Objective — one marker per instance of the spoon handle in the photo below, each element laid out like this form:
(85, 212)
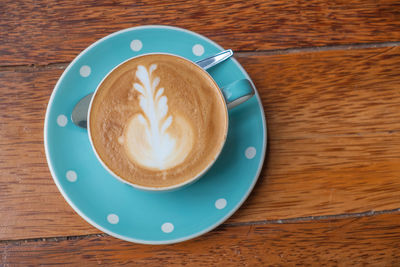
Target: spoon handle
(214, 60)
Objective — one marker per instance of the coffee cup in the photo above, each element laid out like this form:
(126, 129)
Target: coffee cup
(159, 121)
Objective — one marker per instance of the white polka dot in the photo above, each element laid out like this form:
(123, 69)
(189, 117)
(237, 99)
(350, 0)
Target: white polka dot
(62, 120)
(113, 218)
(167, 227)
(71, 176)
(198, 50)
(136, 45)
(220, 203)
(85, 71)
(250, 152)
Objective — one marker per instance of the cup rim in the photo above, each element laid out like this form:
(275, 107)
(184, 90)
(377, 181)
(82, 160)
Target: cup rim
(175, 186)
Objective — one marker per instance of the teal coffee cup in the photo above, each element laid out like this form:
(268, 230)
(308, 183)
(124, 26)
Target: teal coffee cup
(159, 121)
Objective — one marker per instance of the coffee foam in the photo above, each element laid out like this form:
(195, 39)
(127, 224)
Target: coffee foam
(148, 139)
(158, 120)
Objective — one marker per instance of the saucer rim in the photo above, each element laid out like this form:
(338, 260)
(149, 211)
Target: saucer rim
(130, 239)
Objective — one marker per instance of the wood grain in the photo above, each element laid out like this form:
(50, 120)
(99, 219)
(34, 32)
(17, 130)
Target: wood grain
(372, 241)
(334, 127)
(46, 31)
(333, 119)
(30, 204)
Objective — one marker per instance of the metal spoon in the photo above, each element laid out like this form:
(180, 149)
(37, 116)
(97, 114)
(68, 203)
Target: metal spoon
(80, 111)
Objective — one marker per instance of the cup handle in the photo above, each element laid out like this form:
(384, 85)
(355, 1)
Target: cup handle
(237, 92)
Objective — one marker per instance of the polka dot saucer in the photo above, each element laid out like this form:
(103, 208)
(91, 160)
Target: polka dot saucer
(119, 209)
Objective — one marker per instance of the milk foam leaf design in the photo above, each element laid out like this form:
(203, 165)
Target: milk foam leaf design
(155, 108)
(147, 139)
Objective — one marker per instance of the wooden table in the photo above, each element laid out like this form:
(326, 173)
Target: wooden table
(328, 73)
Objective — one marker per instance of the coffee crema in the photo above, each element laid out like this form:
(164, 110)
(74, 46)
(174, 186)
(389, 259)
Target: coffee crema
(158, 120)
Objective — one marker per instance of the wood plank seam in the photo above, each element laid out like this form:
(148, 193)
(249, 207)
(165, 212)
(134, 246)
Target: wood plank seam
(316, 218)
(237, 224)
(295, 50)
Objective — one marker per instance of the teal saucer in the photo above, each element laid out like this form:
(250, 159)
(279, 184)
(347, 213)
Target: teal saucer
(119, 209)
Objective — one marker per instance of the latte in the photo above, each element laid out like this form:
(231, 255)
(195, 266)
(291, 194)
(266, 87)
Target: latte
(158, 120)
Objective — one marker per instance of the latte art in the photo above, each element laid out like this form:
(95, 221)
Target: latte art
(147, 138)
(157, 121)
